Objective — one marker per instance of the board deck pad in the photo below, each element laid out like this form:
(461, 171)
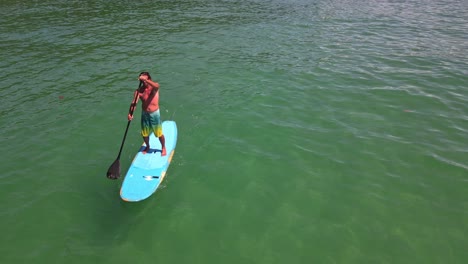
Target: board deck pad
(147, 171)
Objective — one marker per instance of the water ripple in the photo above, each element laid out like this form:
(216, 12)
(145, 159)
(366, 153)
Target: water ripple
(297, 112)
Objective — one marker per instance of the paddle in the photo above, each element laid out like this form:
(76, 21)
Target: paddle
(113, 172)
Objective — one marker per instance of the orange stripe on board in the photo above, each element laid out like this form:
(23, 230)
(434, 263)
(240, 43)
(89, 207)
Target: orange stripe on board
(163, 174)
(170, 157)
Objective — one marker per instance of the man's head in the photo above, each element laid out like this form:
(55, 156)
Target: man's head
(146, 74)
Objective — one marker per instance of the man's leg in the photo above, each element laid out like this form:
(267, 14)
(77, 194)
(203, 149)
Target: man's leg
(163, 144)
(146, 139)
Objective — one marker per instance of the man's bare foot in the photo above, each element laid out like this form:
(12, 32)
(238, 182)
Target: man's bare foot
(146, 150)
(163, 152)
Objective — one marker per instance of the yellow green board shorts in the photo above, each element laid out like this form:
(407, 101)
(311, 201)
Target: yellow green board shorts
(151, 122)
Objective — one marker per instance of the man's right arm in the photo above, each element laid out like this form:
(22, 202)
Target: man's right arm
(133, 105)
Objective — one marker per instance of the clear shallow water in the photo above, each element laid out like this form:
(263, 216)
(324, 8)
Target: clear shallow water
(309, 131)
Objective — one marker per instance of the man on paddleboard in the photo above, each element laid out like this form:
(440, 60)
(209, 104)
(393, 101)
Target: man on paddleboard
(148, 92)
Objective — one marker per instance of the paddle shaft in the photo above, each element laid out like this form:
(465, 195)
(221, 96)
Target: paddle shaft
(132, 108)
(123, 140)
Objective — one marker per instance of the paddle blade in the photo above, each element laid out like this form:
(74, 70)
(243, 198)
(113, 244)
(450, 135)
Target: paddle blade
(113, 172)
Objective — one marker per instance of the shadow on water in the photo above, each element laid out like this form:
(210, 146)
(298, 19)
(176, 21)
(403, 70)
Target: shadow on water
(98, 219)
(113, 226)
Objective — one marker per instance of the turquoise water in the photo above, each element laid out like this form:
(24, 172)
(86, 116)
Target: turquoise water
(309, 131)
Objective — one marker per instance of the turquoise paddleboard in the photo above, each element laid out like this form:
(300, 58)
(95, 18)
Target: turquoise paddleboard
(147, 171)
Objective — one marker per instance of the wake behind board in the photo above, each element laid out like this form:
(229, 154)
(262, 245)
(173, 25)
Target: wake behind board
(147, 171)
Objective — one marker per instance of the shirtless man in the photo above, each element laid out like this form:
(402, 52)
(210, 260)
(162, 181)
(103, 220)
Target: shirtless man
(148, 92)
